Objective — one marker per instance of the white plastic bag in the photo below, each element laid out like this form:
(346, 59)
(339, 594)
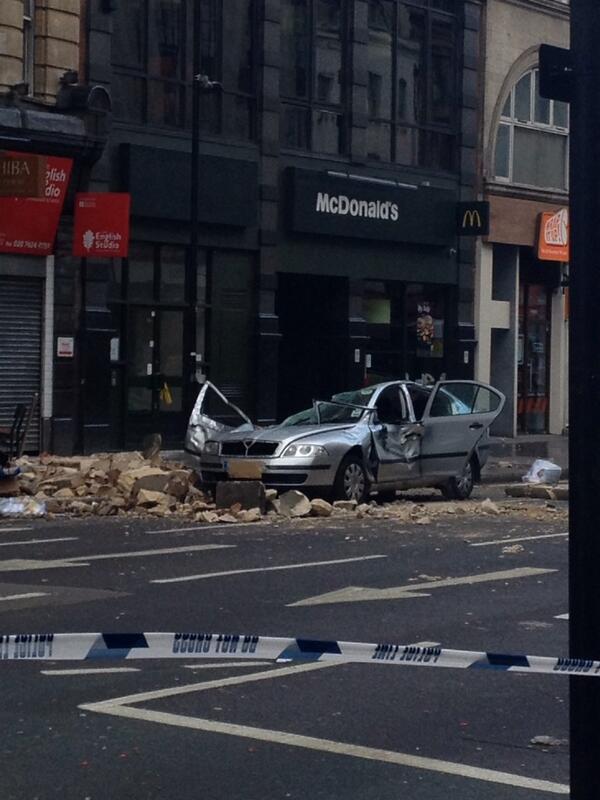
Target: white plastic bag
(15, 507)
(542, 472)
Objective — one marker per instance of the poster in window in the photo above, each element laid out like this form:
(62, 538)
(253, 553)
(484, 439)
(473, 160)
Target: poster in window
(429, 331)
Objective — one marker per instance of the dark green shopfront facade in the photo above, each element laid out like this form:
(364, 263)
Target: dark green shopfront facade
(330, 167)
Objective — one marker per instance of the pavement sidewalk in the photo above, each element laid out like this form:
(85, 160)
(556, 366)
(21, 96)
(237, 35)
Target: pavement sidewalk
(510, 458)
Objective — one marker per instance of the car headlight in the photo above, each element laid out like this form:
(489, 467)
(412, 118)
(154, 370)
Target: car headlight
(212, 448)
(304, 450)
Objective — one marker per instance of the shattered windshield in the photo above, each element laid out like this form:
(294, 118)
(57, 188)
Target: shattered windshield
(331, 412)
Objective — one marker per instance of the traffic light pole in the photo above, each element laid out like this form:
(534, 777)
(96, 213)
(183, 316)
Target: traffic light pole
(584, 395)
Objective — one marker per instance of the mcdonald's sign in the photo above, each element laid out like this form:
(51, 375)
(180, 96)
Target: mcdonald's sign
(473, 219)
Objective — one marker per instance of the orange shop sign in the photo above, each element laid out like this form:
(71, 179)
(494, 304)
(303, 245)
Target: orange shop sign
(553, 237)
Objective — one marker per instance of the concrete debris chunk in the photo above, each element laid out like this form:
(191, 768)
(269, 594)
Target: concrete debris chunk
(250, 515)
(513, 548)
(345, 505)
(207, 516)
(150, 478)
(249, 494)
(146, 497)
(294, 504)
(320, 508)
(64, 494)
(227, 518)
(548, 741)
(489, 507)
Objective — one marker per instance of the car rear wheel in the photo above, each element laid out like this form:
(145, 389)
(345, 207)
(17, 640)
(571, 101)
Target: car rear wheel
(351, 482)
(461, 486)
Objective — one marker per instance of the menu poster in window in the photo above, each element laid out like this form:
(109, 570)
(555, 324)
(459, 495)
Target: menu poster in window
(429, 331)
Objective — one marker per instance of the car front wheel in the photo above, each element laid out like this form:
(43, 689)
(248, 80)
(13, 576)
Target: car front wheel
(461, 486)
(351, 482)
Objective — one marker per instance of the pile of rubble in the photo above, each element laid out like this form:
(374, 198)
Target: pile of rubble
(109, 484)
(129, 484)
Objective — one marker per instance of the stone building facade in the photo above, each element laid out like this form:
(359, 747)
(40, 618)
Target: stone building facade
(521, 301)
(44, 112)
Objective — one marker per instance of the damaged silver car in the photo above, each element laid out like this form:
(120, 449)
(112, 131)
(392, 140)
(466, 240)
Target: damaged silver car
(394, 435)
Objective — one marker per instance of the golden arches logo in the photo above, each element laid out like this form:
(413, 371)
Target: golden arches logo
(471, 219)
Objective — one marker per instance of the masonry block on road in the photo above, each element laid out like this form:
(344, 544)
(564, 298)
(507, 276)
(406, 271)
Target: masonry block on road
(538, 491)
(249, 494)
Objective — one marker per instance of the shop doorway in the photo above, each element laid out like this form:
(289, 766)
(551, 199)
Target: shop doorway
(313, 354)
(533, 369)
(155, 349)
(407, 327)
(179, 326)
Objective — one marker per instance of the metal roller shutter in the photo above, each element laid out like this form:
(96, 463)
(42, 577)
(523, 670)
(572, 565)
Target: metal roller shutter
(20, 350)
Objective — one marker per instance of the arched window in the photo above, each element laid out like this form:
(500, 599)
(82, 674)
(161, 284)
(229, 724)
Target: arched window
(532, 138)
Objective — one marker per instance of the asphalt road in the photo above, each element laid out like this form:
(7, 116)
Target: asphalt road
(231, 731)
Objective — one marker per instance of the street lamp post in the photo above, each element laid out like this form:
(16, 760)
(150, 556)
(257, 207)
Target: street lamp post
(201, 84)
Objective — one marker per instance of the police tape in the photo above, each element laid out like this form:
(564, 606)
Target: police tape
(94, 646)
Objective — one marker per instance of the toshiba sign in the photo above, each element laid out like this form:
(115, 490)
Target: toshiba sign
(553, 238)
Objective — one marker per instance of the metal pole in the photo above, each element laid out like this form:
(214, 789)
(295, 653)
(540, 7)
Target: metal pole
(194, 164)
(584, 402)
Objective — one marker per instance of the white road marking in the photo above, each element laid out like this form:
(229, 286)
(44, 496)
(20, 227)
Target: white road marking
(92, 671)
(228, 665)
(122, 707)
(26, 596)
(519, 539)
(264, 569)
(19, 565)
(163, 551)
(39, 541)
(356, 594)
(14, 530)
(175, 691)
(562, 616)
(221, 526)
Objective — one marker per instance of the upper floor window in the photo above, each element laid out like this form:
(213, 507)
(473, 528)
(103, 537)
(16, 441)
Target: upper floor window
(313, 37)
(28, 43)
(532, 138)
(412, 82)
(152, 55)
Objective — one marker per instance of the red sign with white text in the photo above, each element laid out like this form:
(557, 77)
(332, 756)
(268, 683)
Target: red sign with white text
(28, 225)
(101, 225)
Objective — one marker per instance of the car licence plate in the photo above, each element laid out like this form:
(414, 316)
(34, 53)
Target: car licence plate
(244, 469)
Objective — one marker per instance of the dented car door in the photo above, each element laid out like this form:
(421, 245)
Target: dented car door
(396, 436)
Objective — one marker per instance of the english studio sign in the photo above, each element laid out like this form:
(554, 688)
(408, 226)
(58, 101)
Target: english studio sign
(337, 206)
(101, 228)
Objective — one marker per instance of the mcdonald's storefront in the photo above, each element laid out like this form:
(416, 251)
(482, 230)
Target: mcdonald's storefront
(367, 284)
(521, 313)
